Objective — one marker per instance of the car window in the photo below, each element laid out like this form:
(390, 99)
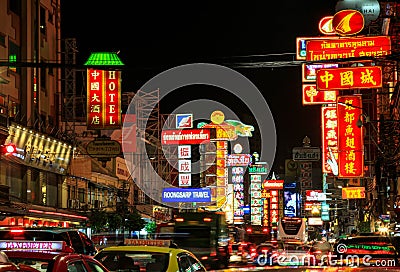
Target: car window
(195, 264)
(76, 266)
(94, 267)
(76, 242)
(184, 263)
(145, 260)
(88, 244)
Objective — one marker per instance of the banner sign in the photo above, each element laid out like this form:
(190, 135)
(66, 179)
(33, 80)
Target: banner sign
(342, 48)
(35, 150)
(306, 153)
(273, 184)
(186, 195)
(315, 195)
(365, 77)
(238, 159)
(311, 96)
(186, 136)
(329, 139)
(103, 99)
(353, 192)
(351, 155)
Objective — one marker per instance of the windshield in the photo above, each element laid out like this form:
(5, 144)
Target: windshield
(134, 260)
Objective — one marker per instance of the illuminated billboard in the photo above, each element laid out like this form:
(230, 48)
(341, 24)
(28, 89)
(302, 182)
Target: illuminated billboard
(348, 22)
(353, 192)
(103, 99)
(329, 139)
(365, 77)
(350, 144)
(311, 96)
(343, 48)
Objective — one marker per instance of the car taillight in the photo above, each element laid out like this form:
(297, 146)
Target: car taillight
(15, 231)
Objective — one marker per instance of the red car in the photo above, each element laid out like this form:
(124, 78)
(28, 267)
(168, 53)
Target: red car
(49, 256)
(9, 267)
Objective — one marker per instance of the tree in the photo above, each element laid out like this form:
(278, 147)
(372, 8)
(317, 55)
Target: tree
(114, 221)
(98, 220)
(134, 221)
(151, 227)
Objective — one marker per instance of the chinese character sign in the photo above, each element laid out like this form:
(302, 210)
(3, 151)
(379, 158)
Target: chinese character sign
(311, 96)
(103, 99)
(350, 144)
(365, 77)
(329, 125)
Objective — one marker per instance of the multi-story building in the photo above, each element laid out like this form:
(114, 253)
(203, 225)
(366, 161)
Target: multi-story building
(36, 183)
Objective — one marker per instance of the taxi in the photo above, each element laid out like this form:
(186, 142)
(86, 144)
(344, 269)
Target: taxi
(148, 255)
(49, 256)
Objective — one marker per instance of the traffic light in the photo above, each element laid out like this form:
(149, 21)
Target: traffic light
(8, 149)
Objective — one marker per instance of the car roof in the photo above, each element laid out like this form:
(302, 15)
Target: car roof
(34, 254)
(144, 248)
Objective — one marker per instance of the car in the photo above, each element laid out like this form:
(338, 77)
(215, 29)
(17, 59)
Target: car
(294, 253)
(78, 240)
(235, 253)
(266, 253)
(9, 267)
(49, 256)
(148, 255)
(320, 252)
(372, 250)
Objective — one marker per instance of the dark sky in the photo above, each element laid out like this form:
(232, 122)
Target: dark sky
(152, 37)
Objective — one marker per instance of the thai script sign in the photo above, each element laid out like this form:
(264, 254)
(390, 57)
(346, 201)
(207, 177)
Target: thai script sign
(327, 49)
(187, 136)
(306, 153)
(238, 159)
(353, 192)
(103, 99)
(365, 77)
(261, 168)
(351, 155)
(273, 184)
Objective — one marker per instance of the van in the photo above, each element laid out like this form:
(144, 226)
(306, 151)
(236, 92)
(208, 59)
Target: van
(78, 240)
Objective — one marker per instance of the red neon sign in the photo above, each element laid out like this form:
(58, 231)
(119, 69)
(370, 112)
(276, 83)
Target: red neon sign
(325, 26)
(329, 138)
(103, 99)
(343, 48)
(351, 155)
(311, 96)
(365, 77)
(348, 22)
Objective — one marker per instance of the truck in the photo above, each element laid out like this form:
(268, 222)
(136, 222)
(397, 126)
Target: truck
(205, 234)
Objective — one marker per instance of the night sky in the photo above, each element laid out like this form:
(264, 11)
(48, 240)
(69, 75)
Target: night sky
(152, 37)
